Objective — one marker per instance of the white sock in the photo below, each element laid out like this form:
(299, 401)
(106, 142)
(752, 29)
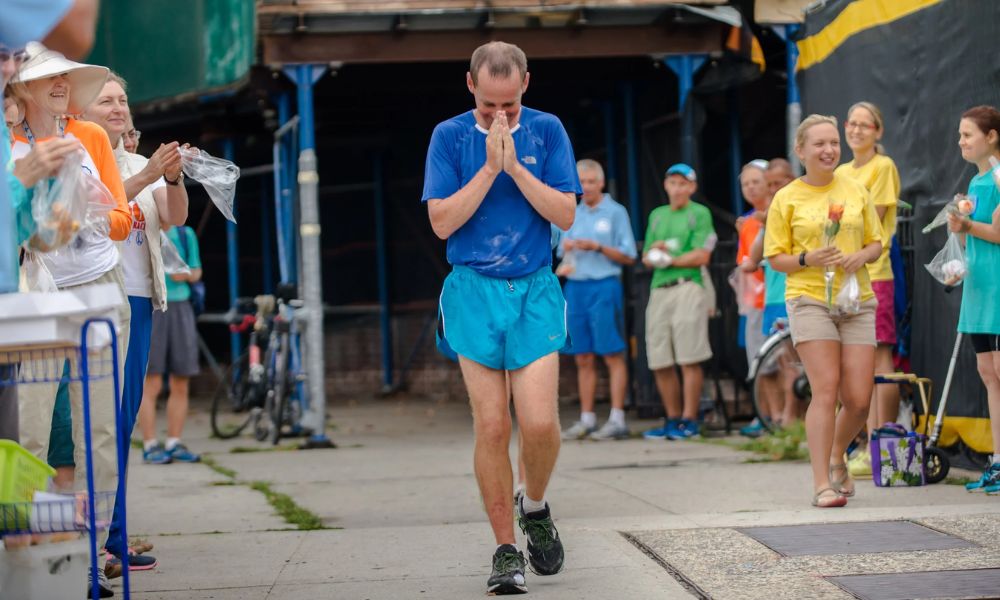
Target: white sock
(147, 444)
(172, 443)
(531, 506)
(515, 546)
(617, 416)
(589, 419)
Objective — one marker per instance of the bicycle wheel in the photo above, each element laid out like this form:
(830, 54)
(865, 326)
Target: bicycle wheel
(778, 370)
(232, 402)
(281, 390)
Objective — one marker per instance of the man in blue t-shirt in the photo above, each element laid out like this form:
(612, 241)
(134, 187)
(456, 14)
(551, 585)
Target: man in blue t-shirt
(496, 178)
(593, 252)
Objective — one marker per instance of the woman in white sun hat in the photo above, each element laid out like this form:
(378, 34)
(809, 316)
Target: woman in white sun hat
(54, 90)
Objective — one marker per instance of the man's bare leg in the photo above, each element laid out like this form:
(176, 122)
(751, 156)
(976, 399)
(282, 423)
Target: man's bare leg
(694, 379)
(535, 388)
(492, 425)
(670, 391)
(618, 375)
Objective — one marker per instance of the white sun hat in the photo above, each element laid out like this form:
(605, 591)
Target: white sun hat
(86, 81)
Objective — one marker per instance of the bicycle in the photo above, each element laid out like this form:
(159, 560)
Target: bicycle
(777, 355)
(264, 386)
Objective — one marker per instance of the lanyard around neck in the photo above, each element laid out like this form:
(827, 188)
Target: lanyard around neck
(60, 125)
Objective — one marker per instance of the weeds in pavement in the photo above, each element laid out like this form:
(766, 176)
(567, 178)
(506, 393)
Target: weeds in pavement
(958, 480)
(290, 511)
(785, 444)
(211, 464)
(249, 449)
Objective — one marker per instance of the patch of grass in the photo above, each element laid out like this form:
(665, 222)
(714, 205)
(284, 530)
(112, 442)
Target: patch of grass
(223, 483)
(137, 444)
(959, 480)
(211, 464)
(785, 444)
(249, 449)
(716, 441)
(293, 514)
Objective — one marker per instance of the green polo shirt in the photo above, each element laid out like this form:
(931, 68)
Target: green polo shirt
(684, 230)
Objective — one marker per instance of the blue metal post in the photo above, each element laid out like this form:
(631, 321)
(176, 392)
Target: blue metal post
(266, 238)
(735, 154)
(383, 275)
(632, 159)
(289, 171)
(233, 257)
(314, 417)
(685, 66)
(611, 150)
(793, 111)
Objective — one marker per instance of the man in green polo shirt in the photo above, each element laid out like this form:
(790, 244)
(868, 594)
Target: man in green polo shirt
(679, 242)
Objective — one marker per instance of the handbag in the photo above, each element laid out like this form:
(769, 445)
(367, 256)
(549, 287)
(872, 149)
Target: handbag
(897, 456)
(197, 288)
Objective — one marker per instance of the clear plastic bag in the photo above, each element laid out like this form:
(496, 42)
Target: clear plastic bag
(35, 276)
(100, 202)
(173, 264)
(217, 175)
(848, 299)
(949, 265)
(59, 205)
(568, 264)
(747, 289)
(960, 205)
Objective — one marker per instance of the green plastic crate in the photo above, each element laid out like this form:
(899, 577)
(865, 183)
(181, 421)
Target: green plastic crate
(21, 475)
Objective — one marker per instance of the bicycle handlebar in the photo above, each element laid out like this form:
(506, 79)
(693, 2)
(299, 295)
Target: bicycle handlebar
(245, 324)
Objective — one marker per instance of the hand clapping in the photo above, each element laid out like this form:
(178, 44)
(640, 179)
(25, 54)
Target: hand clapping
(501, 154)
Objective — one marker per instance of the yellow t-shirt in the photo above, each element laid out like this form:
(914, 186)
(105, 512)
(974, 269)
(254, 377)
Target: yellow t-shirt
(881, 179)
(795, 224)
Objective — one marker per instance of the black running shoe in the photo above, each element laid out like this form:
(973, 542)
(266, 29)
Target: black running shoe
(545, 551)
(508, 572)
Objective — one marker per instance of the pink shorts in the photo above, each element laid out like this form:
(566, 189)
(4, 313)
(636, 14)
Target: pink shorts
(885, 314)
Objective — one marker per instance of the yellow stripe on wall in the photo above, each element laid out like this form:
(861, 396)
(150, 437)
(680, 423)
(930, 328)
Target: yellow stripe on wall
(857, 17)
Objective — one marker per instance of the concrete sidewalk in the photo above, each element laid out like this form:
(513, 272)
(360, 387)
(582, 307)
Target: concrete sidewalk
(639, 519)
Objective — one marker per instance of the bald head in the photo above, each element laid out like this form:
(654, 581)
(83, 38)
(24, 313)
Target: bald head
(500, 60)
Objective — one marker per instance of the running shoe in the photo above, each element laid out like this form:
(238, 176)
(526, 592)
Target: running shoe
(610, 431)
(508, 572)
(136, 562)
(180, 453)
(545, 550)
(156, 455)
(754, 430)
(578, 431)
(861, 464)
(683, 430)
(660, 433)
(990, 478)
(104, 589)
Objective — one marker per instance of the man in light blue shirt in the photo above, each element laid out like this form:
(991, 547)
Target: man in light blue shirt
(593, 252)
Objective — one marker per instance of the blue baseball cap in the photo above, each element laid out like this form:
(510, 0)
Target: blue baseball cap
(683, 170)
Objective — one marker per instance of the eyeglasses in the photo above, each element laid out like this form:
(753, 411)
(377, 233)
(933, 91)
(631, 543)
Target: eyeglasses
(133, 134)
(18, 56)
(857, 125)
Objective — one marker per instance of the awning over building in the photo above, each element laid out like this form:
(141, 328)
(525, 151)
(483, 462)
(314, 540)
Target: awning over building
(169, 52)
(364, 31)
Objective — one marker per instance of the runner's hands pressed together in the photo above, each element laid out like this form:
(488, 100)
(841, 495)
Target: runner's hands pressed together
(509, 150)
(494, 147)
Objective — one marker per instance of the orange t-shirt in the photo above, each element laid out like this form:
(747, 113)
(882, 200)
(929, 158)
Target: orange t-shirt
(748, 233)
(95, 141)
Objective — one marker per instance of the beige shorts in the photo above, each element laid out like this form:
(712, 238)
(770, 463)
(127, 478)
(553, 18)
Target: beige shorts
(677, 326)
(811, 320)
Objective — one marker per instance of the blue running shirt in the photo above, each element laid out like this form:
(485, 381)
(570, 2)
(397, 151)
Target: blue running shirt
(505, 237)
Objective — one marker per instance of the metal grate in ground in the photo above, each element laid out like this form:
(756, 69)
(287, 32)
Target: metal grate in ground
(853, 538)
(957, 585)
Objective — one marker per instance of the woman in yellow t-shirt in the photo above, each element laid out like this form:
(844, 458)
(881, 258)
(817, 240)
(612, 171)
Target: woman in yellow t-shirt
(876, 171)
(837, 348)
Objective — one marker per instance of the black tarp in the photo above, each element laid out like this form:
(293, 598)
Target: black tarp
(923, 70)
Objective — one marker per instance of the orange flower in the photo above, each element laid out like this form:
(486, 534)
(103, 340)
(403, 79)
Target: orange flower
(836, 212)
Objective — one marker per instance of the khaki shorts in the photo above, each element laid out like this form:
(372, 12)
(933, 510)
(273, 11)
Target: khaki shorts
(677, 326)
(811, 320)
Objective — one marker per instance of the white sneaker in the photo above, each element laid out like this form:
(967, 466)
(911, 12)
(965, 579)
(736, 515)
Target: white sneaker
(611, 431)
(578, 431)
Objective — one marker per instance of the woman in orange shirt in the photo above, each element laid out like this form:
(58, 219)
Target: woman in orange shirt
(54, 89)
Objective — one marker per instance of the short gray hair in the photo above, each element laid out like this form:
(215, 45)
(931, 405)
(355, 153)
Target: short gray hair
(588, 164)
(500, 58)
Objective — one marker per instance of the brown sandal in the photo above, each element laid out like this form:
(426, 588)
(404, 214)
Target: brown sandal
(840, 482)
(837, 501)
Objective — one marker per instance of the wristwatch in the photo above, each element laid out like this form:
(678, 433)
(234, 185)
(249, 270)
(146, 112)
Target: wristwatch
(802, 260)
(180, 178)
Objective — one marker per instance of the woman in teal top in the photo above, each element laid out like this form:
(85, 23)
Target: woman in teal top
(979, 139)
